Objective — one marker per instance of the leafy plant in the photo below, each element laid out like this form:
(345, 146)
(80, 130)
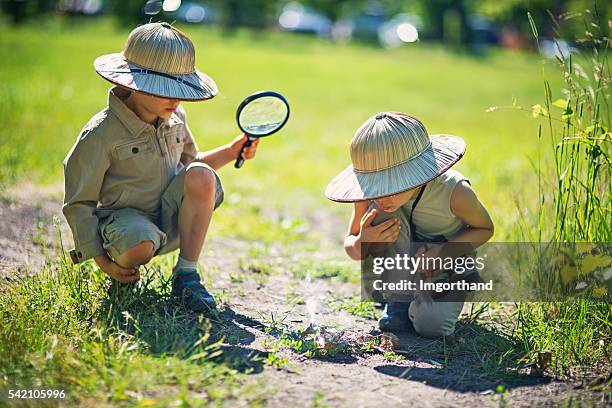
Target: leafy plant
(574, 199)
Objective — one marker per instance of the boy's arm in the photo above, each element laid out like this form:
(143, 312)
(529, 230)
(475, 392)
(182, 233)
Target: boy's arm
(478, 229)
(84, 170)
(215, 158)
(466, 206)
(219, 157)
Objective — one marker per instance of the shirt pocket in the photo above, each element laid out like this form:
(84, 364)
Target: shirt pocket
(136, 150)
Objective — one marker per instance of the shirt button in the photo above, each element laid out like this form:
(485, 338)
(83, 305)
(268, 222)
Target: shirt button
(80, 255)
(134, 150)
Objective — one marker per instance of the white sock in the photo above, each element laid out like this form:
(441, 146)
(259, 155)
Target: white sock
(186, 265)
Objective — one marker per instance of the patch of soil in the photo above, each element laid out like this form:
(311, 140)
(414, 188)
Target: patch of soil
(26, 231)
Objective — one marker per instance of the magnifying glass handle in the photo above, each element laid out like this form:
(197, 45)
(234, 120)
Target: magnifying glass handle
(240, 159)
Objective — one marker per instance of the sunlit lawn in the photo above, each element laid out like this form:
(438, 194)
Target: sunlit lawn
(49, 90)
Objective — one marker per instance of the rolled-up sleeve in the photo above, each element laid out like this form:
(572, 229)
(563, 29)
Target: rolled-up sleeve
(84, 170)
(190, 148)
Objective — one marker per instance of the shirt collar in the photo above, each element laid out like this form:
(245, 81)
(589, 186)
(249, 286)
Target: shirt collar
(128, 118)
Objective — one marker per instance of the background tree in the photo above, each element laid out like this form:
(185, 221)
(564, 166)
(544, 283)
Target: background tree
(248, 13)
(21, 10)
(129, 12)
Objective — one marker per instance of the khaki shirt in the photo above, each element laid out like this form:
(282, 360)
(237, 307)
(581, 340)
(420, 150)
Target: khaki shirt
(120, 161)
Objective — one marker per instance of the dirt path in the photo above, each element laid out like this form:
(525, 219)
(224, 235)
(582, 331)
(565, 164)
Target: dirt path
(358, 379)
(263, 306)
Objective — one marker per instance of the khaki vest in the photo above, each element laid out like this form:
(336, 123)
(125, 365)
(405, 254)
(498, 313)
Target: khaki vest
(432, 215)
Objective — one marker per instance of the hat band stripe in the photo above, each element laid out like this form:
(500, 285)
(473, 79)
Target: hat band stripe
(150, 71)
(396, 164)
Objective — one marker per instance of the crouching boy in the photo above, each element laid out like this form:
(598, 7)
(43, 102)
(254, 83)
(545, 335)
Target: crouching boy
(135, 184)
(405, 194)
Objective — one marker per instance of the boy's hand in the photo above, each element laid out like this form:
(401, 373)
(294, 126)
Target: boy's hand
(116, 271)
(427, 251)
(247, 153)
(386, 231)
(121, 274)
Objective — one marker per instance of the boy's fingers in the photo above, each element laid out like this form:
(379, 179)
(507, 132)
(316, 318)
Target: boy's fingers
(249, 152)
(125, 276)
(369, 217)
(129, 277)
(389, 235)
(385, 225)
(128, 272)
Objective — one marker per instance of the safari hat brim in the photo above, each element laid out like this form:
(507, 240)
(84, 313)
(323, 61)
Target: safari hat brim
(195, 86)
(352, 186)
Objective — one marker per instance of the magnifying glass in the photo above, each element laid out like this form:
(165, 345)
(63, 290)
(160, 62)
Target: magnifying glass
(260, 115)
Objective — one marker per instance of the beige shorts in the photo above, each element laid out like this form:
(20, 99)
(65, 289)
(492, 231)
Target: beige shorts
(434, 319)
(124, 228)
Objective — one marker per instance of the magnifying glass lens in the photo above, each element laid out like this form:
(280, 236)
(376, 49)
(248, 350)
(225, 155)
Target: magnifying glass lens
(259, 115)
(263, 116)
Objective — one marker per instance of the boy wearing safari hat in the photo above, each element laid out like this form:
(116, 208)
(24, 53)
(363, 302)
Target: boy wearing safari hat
(404, 191)
(135, 184)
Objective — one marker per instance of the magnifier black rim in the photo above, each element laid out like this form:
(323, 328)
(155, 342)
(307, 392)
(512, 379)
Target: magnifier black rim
(258, 95)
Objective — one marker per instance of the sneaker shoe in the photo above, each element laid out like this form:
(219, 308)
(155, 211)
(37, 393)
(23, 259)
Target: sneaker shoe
(187, 287)
(395, 318)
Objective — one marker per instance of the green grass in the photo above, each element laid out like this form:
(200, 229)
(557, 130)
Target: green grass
(338, 270)
(355, 306)
(49, 91)
(67, 328)
(576, 202)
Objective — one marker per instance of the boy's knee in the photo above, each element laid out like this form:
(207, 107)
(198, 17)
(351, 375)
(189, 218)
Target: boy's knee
(435, 319)
(199, 179)
(139, 254)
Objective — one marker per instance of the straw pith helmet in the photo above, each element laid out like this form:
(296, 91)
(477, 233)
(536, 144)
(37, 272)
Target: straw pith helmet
(391, 153)
(159, 60)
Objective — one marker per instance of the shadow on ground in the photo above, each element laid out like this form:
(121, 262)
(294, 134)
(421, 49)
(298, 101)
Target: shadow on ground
(460, 379)
(475, 359)
(167, 328)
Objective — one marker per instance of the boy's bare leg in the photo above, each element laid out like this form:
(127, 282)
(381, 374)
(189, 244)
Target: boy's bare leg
(139, 254)
(195, 214)
(124, 268)
(196, 211)
(194, 218)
